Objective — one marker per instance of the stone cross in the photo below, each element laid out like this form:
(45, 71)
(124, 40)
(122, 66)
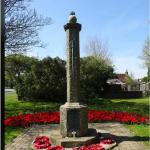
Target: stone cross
(73, 114)
(73, 58)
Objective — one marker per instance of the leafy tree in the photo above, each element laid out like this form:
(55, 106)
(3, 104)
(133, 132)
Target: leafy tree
(145, 79)
(16, 65)
(9, 80)
(129, 79)
(46, 81)
(94, 74)
(148, 74)
(21, 26)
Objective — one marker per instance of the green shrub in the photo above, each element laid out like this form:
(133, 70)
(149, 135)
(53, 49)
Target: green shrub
(94, 73)
(46, 81)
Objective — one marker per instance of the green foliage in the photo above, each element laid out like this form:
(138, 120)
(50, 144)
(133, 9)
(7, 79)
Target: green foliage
(138, 106)
(11, 133)
(15, 107)
(46, 80)
(129, 80)
(148, 75)
(142, 131)
(145, 79)
(94, 73)
(17, 66)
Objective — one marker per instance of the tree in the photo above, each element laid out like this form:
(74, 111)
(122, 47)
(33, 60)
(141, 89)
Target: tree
(146, 56)
(145, 79)
(146, 53)
(97, 48)
(16, 66)
(46, 81)
(129, 79)
(21, 26)
(93, 76)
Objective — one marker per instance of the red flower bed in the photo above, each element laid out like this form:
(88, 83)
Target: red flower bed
(123, 117)
(93, 116)
(25, 119)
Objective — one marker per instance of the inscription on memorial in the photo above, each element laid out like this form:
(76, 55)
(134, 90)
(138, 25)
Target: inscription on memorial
(74, 120)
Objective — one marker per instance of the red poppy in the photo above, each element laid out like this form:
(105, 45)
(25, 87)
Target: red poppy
(93, 115)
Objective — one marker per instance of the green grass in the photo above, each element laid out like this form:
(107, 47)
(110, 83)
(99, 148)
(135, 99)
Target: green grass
(11, 133)
(139, 106)
(14, 107)
(141, 131)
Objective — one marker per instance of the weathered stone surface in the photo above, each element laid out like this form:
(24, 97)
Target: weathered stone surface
(69, 142)
(73, 115)
(73, 61)
(73, 118)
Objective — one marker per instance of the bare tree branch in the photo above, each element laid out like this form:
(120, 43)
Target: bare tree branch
(146, 53)
(97, 48)
(22, 26)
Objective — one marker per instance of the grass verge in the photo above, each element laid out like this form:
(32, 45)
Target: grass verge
(141, 131)
(11, 133)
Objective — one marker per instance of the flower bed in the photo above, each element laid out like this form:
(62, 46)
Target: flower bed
(23, 120)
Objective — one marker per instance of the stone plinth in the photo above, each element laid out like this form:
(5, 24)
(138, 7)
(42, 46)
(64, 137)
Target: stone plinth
(73, 118)
(69, 142)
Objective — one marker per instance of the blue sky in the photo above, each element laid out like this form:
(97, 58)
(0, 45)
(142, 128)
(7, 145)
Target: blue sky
(122, 23)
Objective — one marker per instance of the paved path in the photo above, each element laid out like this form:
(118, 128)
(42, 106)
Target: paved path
(124, 139)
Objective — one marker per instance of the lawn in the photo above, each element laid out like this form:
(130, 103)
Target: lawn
(139, 106)
(14, 107)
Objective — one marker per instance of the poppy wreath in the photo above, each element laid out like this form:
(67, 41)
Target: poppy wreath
(42, 142)
(90, 147)
(54, 147)
(105, 142)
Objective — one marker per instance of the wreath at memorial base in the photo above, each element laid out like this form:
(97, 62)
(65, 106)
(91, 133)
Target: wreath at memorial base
(104, 144)
(42, 142)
